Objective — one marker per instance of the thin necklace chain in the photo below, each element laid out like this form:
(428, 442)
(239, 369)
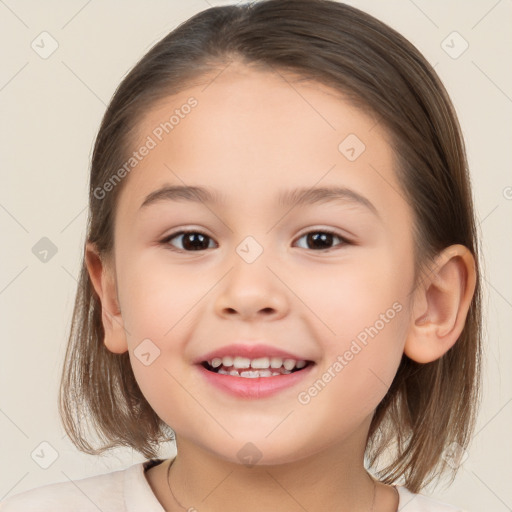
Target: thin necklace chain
(188, 508)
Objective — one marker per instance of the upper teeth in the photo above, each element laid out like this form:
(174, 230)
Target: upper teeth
(258, 363)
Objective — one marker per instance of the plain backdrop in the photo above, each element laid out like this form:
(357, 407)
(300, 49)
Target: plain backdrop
(51, 107)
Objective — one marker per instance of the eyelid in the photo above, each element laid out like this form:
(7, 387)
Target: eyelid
(330, 231)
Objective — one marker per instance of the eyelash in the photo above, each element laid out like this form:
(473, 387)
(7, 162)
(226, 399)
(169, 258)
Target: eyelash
(170, 237)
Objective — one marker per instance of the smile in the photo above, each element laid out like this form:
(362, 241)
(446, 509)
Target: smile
(254, 378)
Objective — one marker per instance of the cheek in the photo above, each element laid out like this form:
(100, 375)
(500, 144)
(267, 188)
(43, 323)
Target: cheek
(366, 309)
(157, 299)
(357, 370)
(159, 308)
(355, 296)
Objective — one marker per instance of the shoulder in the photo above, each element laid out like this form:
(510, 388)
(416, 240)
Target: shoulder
(410, 502)
(87, 494)
(110, 492)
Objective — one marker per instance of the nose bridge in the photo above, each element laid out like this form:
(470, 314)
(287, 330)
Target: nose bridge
(251, 288)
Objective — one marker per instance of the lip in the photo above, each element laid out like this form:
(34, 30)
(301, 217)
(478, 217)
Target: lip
(252, 351)
(254, 388)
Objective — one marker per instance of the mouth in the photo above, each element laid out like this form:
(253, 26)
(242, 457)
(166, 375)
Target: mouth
(257, 377)
(261, 367)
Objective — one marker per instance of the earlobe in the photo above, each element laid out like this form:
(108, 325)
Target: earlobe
(440, 305)
(104, 283)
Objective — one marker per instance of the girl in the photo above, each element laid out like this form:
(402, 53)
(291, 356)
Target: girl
(280, 273)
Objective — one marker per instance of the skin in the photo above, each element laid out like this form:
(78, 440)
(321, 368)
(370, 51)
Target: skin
(251, 135)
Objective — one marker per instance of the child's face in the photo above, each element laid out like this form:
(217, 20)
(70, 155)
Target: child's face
(251, 137)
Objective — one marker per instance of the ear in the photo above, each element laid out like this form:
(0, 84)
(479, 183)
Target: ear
(441, 303)
(103, 280)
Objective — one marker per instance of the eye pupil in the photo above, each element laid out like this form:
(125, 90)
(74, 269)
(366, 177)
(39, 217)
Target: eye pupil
(195, 241)
(325, 239)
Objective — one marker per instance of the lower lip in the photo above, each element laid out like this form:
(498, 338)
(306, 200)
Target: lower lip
(259, 387)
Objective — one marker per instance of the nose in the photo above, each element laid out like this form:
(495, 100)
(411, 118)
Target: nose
(252, 291)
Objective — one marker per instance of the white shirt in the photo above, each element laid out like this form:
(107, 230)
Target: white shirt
(128, 490)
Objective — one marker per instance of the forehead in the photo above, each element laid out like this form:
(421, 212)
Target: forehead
(248, 132)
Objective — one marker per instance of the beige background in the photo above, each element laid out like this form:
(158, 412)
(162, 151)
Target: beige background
(51, 109)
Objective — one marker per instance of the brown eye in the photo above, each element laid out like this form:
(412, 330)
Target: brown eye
(190, 241)
(321, 240)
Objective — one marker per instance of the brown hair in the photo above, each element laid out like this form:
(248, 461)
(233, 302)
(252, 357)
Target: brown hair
(428, 406)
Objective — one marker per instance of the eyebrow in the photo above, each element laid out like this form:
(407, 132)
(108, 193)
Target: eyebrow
(295, 197)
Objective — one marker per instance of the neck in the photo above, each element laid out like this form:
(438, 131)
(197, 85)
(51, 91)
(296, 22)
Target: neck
(331, 480)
